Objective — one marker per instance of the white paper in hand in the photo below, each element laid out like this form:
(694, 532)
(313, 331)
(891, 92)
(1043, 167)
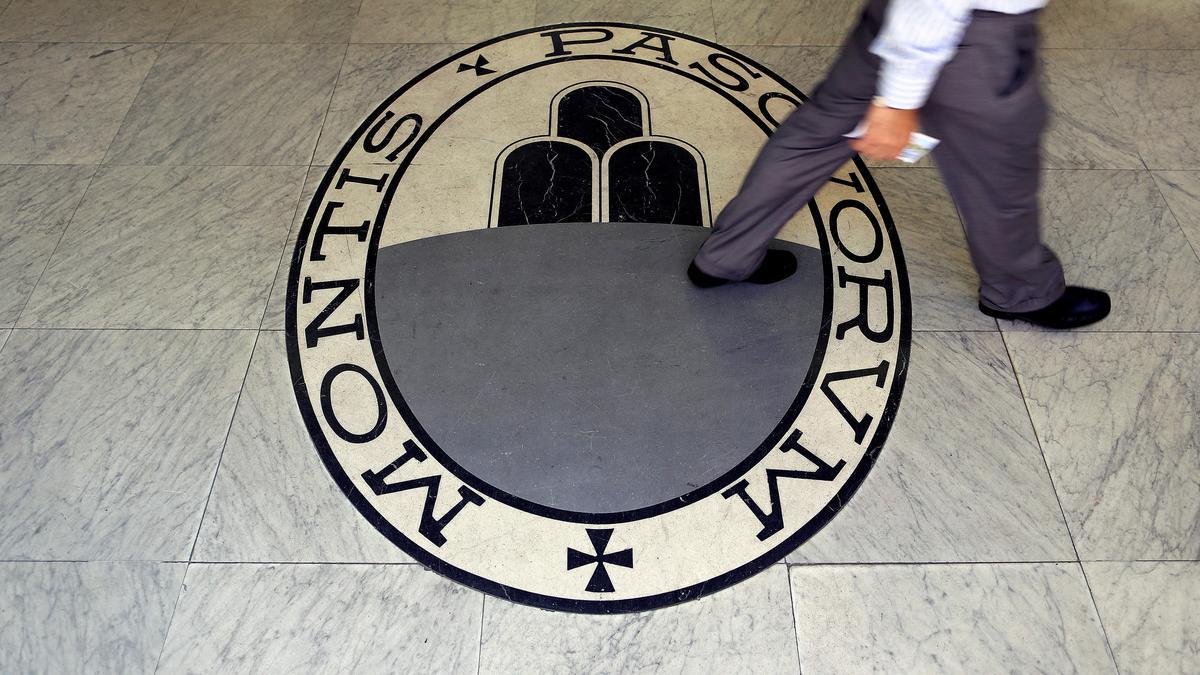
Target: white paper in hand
(918, 146)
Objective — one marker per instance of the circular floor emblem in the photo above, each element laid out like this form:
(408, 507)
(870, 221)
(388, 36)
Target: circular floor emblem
(503, 366)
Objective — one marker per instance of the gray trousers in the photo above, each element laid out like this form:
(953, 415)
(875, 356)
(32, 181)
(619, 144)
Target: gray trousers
(988, 111)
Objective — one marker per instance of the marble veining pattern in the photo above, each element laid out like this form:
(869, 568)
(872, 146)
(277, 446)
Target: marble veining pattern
(88, 20)
(1117, 419)
(111, 439)
(694, 17)
(63, 103)
(766, 22)
(331, 618)
(1154, 95)
(745, 629)
(305, 21)
(95, 617)
(301, 516)
(933, 495)
(945, 288)
(36, 202)
(230, 104)
(1085, 131)
(1113, 230)
(369, 76)
(276, 312)
(177, 247)
(947, 619)
(1181, 189)
(1119, 24)
(417, 21)
(1149, 613)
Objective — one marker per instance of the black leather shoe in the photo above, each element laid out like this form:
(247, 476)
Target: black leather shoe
(776, 266)
(1076, 307)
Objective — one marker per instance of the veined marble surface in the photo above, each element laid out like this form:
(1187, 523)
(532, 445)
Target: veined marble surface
(1117, 416)
(276, 312)
(111, 439)
(273, 500)
(177, 247)
(947, 619)
(1119, 24)
(62, 103)
(96, 617)
(88, 20)
(1149, 612)
(370, 74)
(230, 104)
(1154, 94)
(1113, 230)
(746, 629)
(934, 495)
(765, 22)
(694, 17)
(306, 21)
(322, 618)
(1181, 189)
(418, 21)
(36, 203)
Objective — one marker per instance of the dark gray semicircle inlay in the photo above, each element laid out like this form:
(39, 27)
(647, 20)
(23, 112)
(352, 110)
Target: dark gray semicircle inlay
(574, 366)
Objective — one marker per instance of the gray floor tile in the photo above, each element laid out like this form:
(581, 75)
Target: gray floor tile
(4, 333)
(322, 619)
(945, 288)
(88, 20)
(265, 21)
(1084, 131)
(401, 21)
(1181, 189)
(947, 619)
(261, 513)
(63, 103)
(1117, 418)
(1154, 95)
(178, 247)
(766, 22)
(1149, 614)
(85, 617)
(693, 17)
(36, 203)
(803, 67)
(230, 104)
(276, 314)
(961, 478)
(1113, 230)
(744, 629)
(369, 76)
(1118, 24)
(111, 439)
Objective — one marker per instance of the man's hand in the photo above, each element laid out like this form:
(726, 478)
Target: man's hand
(888, 130)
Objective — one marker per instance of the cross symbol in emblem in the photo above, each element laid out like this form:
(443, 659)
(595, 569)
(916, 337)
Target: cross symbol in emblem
(600, 581)
(479, 68)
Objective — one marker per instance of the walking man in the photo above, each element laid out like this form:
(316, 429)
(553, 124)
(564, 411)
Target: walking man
(968, 72)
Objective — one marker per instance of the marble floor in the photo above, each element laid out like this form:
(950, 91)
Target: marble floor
(162, 509)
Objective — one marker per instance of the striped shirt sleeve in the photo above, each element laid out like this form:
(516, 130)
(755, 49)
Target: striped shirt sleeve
(918, 38)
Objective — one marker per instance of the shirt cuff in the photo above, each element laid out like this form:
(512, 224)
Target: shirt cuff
(905, 85)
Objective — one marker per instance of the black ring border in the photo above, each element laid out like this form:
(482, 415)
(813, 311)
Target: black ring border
(496, 589)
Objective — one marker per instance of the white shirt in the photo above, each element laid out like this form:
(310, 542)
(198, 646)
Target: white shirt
(919, 36)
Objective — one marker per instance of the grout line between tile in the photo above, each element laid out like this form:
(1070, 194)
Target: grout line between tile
(482, 617)
(171, 622)
(133, 100)
(224, 444)
(787, 573)
(930, 563)
(1053, 486)
(1178, 224)
(61, 237)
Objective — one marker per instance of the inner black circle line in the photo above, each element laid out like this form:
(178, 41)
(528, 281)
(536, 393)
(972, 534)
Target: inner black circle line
(426, 441)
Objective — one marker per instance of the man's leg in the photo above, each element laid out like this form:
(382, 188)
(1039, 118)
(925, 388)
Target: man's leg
(988, 111)
(797, 160)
